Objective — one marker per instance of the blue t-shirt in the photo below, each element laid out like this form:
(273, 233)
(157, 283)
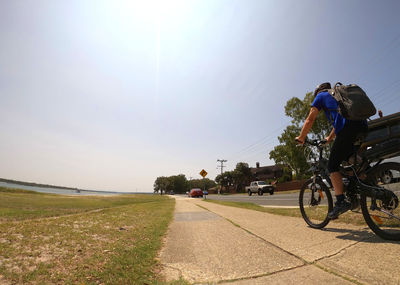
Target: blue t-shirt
(325, 101)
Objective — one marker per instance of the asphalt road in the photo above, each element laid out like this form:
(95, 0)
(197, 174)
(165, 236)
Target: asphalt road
(283, 200)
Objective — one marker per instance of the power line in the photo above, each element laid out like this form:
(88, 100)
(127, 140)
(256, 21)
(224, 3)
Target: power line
(256, 144)
(384, 101)
(263, 153)
(389, 102)
(261, 148)
(378, 56)
(387, 87)
(265, 143)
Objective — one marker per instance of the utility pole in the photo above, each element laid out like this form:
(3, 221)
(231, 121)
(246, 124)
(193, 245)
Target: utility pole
(222, 171)
(222, 164)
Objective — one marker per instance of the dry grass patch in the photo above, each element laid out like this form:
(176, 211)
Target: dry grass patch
(111, 240)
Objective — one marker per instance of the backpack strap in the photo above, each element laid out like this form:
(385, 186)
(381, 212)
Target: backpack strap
(332, 92)
(335, 93)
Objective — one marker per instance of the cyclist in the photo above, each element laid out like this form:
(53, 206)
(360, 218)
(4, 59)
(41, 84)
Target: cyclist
(346, 133)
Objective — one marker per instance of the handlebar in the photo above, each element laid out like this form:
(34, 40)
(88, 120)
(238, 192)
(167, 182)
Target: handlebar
(317, 143)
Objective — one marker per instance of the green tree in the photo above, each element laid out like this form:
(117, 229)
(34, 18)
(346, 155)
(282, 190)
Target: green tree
(287, 152)
(225, 179)
(298, 110)
(178, 183)
(241, 176)
(201, 183)
(162, 185)
(287, 175)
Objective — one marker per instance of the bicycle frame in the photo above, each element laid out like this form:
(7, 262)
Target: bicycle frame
(320, 172)
(363, 188)
(319, 167)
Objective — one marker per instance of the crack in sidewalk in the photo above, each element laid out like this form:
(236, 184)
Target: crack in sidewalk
(341, 250)
(264, 240)
(261, 275)
(305, 263)
(330, 271)
(173, 268)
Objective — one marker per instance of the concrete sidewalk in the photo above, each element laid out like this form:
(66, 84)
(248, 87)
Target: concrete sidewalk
(209, 243)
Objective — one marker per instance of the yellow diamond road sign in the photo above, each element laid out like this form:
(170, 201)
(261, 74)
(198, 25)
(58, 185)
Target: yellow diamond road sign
(203, 173)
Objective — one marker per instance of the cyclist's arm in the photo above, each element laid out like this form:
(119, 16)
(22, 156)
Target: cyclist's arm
(331, 136)
(308, 124)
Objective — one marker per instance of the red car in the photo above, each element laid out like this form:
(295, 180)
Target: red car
(196, 192)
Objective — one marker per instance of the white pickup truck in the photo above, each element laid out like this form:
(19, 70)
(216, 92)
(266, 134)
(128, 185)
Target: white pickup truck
(259, 187)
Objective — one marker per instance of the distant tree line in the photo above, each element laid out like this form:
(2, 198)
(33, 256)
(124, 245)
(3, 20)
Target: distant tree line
(35, 184)
(180, 185)
(237, 179)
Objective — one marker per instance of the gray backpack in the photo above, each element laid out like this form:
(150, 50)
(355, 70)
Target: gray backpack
(353, 103)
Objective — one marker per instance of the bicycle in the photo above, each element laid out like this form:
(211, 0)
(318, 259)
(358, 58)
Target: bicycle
(368, 183)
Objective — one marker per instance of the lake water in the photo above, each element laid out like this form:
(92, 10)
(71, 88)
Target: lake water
(58, 190)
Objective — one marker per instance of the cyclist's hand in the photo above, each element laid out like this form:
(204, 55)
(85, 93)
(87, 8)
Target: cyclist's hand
(328, 140)
(299, 140)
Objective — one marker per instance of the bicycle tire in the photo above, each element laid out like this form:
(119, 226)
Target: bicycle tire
(375, 219)
(321, 217)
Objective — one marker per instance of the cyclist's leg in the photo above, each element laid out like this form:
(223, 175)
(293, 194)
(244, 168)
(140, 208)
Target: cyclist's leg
(337, 182)
(342, 148)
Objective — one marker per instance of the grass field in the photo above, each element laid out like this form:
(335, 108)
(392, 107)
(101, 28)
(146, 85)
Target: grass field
(54, 239)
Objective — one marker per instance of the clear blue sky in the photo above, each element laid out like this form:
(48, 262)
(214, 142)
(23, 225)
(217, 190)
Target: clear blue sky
(109, 95)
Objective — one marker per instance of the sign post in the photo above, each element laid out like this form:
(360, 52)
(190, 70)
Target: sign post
(204, 174)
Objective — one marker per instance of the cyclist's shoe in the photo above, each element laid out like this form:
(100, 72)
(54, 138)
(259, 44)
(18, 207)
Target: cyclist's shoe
(340, 208)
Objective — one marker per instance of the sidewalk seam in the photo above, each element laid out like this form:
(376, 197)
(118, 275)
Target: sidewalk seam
(330, 271)
(264, 240)
(261, 275)
(305, 263)
(341, 250)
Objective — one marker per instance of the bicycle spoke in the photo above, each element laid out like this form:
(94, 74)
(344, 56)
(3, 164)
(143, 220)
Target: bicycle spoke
(315, 204)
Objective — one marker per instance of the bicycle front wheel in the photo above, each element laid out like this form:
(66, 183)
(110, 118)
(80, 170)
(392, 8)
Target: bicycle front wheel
(383, 214)
(315, 201)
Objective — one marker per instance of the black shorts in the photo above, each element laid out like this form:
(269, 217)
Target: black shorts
(343, 146)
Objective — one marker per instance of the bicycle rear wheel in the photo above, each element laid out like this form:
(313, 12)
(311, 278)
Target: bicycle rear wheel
(383, 214)
(315, 201)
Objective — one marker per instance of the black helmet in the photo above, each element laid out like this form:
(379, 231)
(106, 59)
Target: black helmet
(322, 87)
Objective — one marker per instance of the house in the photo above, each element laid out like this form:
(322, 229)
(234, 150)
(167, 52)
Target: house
(266, 172)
